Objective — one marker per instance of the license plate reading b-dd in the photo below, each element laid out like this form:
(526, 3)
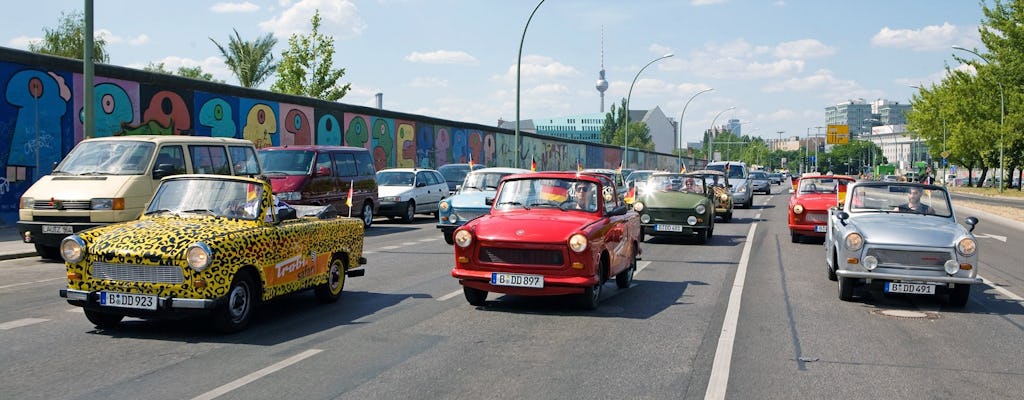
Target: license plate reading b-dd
(912, 288)
(530, 281)
(128, 300)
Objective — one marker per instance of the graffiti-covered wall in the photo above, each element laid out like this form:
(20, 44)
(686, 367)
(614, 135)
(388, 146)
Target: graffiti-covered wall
(41, 120)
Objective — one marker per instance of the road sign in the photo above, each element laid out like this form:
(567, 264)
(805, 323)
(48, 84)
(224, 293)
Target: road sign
(838, 134)
(945, 154)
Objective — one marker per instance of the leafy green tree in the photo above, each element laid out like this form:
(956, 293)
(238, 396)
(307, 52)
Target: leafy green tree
(68, 40)
(251, 62)
(613, 131)
(187, 72)
(306, 68)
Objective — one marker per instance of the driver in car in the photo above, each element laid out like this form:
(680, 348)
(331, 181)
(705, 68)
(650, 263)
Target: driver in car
(913, 203)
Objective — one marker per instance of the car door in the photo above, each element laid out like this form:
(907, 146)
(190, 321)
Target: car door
(617, 239)
(421, 192)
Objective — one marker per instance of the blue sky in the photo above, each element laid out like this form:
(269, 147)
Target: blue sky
(780, 63)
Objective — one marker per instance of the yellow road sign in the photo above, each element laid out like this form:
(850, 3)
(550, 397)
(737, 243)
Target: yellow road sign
(838, 134)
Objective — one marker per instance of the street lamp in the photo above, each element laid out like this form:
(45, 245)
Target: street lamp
(519, 62)
(625, 142)
(679, 143)
(711, 134)
(1002, 115)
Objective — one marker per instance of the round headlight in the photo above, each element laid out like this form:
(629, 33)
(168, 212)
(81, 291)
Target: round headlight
(691, 220)
(854, 241)
(453, 218)
(700, 209)
(645, 218)
(72, 248)
(638, 206)
(578, 242)
(444, 206)
(967, 246)
(798, 209)
(951, 266)
(871, 262)
(463, 238)
(198, 256)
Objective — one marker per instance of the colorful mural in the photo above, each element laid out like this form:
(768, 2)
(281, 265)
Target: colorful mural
(41, 119)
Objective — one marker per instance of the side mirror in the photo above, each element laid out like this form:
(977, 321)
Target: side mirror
(163, 170)
(421, 184)
(843, 216)
(791, 191)
(458, 187)
(286, 213)
(619, 210)
(323, 171)
(489, 201)
(972, 221)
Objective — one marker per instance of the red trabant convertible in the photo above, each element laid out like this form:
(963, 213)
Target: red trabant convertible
(812, 196)
(549, 233)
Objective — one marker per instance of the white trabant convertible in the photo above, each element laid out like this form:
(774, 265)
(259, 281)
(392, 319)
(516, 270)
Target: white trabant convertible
(901, 238)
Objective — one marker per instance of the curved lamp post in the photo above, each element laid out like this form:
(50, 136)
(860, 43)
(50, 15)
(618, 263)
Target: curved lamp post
(519, 62)
(679, 143)
(1002, 115)
(625, 142)
(711, 135)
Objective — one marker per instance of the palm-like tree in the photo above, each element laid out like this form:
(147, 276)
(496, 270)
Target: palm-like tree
(251, 62)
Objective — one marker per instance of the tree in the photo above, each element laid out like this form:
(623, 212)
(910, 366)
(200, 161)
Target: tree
(187, 72)
(614, 130)
(68, 40)
(251, 62)
(301, 72)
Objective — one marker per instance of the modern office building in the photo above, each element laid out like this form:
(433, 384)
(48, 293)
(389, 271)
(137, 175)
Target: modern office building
(860, 116)
(587, 127)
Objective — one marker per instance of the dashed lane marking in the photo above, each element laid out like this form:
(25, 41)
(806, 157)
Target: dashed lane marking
(18, 323)
(257, 375)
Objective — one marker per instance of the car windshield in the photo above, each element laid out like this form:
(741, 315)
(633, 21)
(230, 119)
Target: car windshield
(395, 178)
(818, 185)
(565, 194)
(900, 198)
(734, 171)
(759, 175)
(287, 162)
(479, 181)
(638, 176)
(207, 197)
(107, 158)
(675, 183)
(454, 172)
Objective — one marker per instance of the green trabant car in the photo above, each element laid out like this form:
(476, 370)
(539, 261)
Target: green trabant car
(674, 204)
(720, 184)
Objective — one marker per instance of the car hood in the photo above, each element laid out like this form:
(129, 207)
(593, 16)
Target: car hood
(474, 199)
(817, 201)
(536, 226)
(161, 236)
(908, 229)
(673, 200)
(287, 183)
(388, 190)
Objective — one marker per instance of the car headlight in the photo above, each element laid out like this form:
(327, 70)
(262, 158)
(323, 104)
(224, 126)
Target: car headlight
(444, 206)
(289, 196)
(28, 202)
(72, 248)
(106, 204)
(741, 189)
(691, 220)
(967, 246)
(870, 262)
(798, 209)
(645, 218)
(578, 242)
(854, 241)
(951, 266)
(198, 256)
(638, 206)
(453, 218)
(700, 209)
(463, 238)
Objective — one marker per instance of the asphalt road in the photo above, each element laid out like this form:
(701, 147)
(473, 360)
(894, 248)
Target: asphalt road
(749, 315)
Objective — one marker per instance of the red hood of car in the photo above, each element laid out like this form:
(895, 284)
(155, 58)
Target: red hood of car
(816, 201)
(287, 183)
(536, 226)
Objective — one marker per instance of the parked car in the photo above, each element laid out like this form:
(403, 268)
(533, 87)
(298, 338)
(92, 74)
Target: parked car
(454, 174)
(549, 233)
(212, 245)
(470, 201)
(742, 189)
(720, 184)
(680, 205)
(760, 182)
(775, 178)
(322, 175)
(901, 238)
(810, 202)
(405, 192)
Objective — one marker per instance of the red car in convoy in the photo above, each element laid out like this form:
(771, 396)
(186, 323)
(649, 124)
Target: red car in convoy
(812, 196)
(549, 233)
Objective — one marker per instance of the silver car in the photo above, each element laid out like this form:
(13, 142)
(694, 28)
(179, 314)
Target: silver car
(901, 238)
(760, 182)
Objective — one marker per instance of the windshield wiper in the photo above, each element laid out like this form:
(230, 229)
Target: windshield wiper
(201, 211)
(160, 211)
(513, 203)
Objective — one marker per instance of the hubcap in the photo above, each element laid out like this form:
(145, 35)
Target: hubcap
(238, 303)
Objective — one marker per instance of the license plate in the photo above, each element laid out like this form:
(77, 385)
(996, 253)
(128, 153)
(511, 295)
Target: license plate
(668, 228)
(62, 229)
(128, 300)
(820, 228)
(518, 280)
(913, 288)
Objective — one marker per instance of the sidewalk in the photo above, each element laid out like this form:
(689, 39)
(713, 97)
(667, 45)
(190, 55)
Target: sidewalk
(11, 245)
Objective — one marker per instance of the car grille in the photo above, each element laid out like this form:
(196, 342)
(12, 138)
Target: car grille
(669, 215)
(910, 258)
(815, 217)
(62, 205)
(520, 256)
(465, 215)
(138, 273)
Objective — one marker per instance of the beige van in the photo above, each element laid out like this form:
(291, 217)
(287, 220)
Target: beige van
(110, 179)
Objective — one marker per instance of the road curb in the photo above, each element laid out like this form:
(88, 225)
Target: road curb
(964, 211)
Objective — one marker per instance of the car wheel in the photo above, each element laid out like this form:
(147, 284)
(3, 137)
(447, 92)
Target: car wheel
(103, 320)
(367, 215)
(702, 236)
(727, 217)
(625, 278)
(48, 252)
(845, 289)
(236, 312)
(448, 236)
(330, 291)
(475, 297)
(410, 212)
(592, 294)
(831, 269)
(794, 237)
(750, 203)
(958, 297)
(643, 236)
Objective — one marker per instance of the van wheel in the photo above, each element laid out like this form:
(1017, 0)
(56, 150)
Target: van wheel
(367, 215)
(410, 212)
(48, 252)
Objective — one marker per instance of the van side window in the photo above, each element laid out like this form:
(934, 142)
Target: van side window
(346, 164)
(209, 160)
(173, 156)
(324, 166)
(244, 160)
(364, 164)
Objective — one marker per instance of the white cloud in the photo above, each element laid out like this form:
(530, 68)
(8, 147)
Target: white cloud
(538, 68)
(428, 82)
(22, 42)
(113, 39)
(243, 7)
(925, 39)
(803, 49)
(698, 3)
(339, 19)
(822, 80)
(442, 57)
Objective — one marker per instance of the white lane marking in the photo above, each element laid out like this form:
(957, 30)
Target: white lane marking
(1002, 291)
(18, 323)
(991, 236)
(450, 295)
(390, 247)
(29, 283)
(237, 383)
(723, 354)
(427, 240)
(407, 244)
(79, 310)
(368, 252)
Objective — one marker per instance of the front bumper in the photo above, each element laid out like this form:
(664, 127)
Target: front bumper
(907, 278)
(165, 306)
(35, 235)
(393, 208)
(687, 230)
(553, 285)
